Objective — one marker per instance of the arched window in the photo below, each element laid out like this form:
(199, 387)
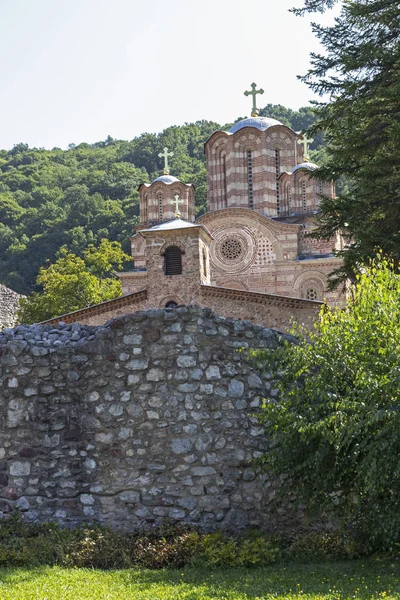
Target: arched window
(304, 195)
(277, 173)
(250, 177)
(160, 206)
(171, 304)
(173, 261)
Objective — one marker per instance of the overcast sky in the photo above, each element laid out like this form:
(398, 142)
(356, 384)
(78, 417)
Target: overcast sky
(78, 70)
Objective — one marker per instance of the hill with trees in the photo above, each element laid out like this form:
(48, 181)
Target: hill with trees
(76, 197)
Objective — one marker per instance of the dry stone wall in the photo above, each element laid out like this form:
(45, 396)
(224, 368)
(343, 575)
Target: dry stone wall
(9, 303)
(147, 417)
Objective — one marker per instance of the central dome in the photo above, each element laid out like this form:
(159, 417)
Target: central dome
(261, 123)
(166, 179)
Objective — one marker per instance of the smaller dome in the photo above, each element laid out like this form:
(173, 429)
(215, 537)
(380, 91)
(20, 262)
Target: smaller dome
(306, 165)
(166, 179)
(261, 123)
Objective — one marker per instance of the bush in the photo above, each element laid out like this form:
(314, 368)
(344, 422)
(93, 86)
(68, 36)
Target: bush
(170, 546)
(334, 432)
(251, 550)
(315, 545)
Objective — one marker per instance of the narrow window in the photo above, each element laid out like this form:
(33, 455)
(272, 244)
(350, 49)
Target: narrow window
(145, 213)
(250, 178)
(304, 195)
(277, 173)
(205, 264)
(173, 261)
(224, 186)
(160, 207)
(289, 198)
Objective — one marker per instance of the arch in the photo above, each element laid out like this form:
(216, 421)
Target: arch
(310, 280)
(173, 260)
(170, 298)
(174, 243)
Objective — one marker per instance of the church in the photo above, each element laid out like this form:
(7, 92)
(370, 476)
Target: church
(249, 256)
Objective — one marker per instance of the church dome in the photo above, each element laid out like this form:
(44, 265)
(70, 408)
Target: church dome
(166, 179)
(306, 165)
(261, 123)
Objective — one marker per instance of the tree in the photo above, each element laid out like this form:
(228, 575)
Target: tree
(360, 76)
(72, 282)
(335, 431)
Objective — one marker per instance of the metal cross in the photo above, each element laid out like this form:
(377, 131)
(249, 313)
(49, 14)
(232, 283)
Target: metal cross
(305, 141)
(165, 154)
(177, 202)
(254, 92)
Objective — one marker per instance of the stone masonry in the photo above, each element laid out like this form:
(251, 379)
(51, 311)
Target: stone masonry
(149, 416)
(9, 302)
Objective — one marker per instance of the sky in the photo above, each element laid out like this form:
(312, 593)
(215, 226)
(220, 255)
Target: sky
(77, 71)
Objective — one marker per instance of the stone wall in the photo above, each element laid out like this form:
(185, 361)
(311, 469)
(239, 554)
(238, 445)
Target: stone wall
(147, 417)
(9, 302)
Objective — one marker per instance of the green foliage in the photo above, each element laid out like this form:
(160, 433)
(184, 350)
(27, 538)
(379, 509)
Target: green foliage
(334, 436)
(72, 282)
(322, 546)
(359, 74)
(247, 551)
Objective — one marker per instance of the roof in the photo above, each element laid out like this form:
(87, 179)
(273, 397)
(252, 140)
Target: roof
(261, 123)
(175, 224)
(305, 165)
(166, 179)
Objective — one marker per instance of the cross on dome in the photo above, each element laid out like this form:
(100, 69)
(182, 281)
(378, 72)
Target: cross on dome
(305, 141)
(165, 154)
(177, 202)
(254, 92)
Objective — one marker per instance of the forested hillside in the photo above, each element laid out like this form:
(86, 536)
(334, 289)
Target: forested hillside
(74, 197)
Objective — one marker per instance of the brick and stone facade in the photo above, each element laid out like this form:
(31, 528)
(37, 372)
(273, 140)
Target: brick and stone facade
(262, 201)
(193, 285)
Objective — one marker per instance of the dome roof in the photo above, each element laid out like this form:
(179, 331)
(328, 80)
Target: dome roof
(166, 179)
(261, 123)
(305, 165)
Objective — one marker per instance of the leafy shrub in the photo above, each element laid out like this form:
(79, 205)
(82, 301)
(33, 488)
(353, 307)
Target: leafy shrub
(101, 548)
(163, 553)
(251, 550)
(316, 545)
(168, 546)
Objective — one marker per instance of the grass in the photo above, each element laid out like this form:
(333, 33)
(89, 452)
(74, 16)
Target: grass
(333, 581)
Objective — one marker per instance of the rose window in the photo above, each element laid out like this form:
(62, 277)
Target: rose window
(231, 249)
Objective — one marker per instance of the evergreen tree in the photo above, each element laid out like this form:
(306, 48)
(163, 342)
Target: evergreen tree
(360, 75)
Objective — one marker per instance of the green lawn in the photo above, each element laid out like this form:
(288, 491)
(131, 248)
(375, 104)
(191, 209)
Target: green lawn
(357, 579)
